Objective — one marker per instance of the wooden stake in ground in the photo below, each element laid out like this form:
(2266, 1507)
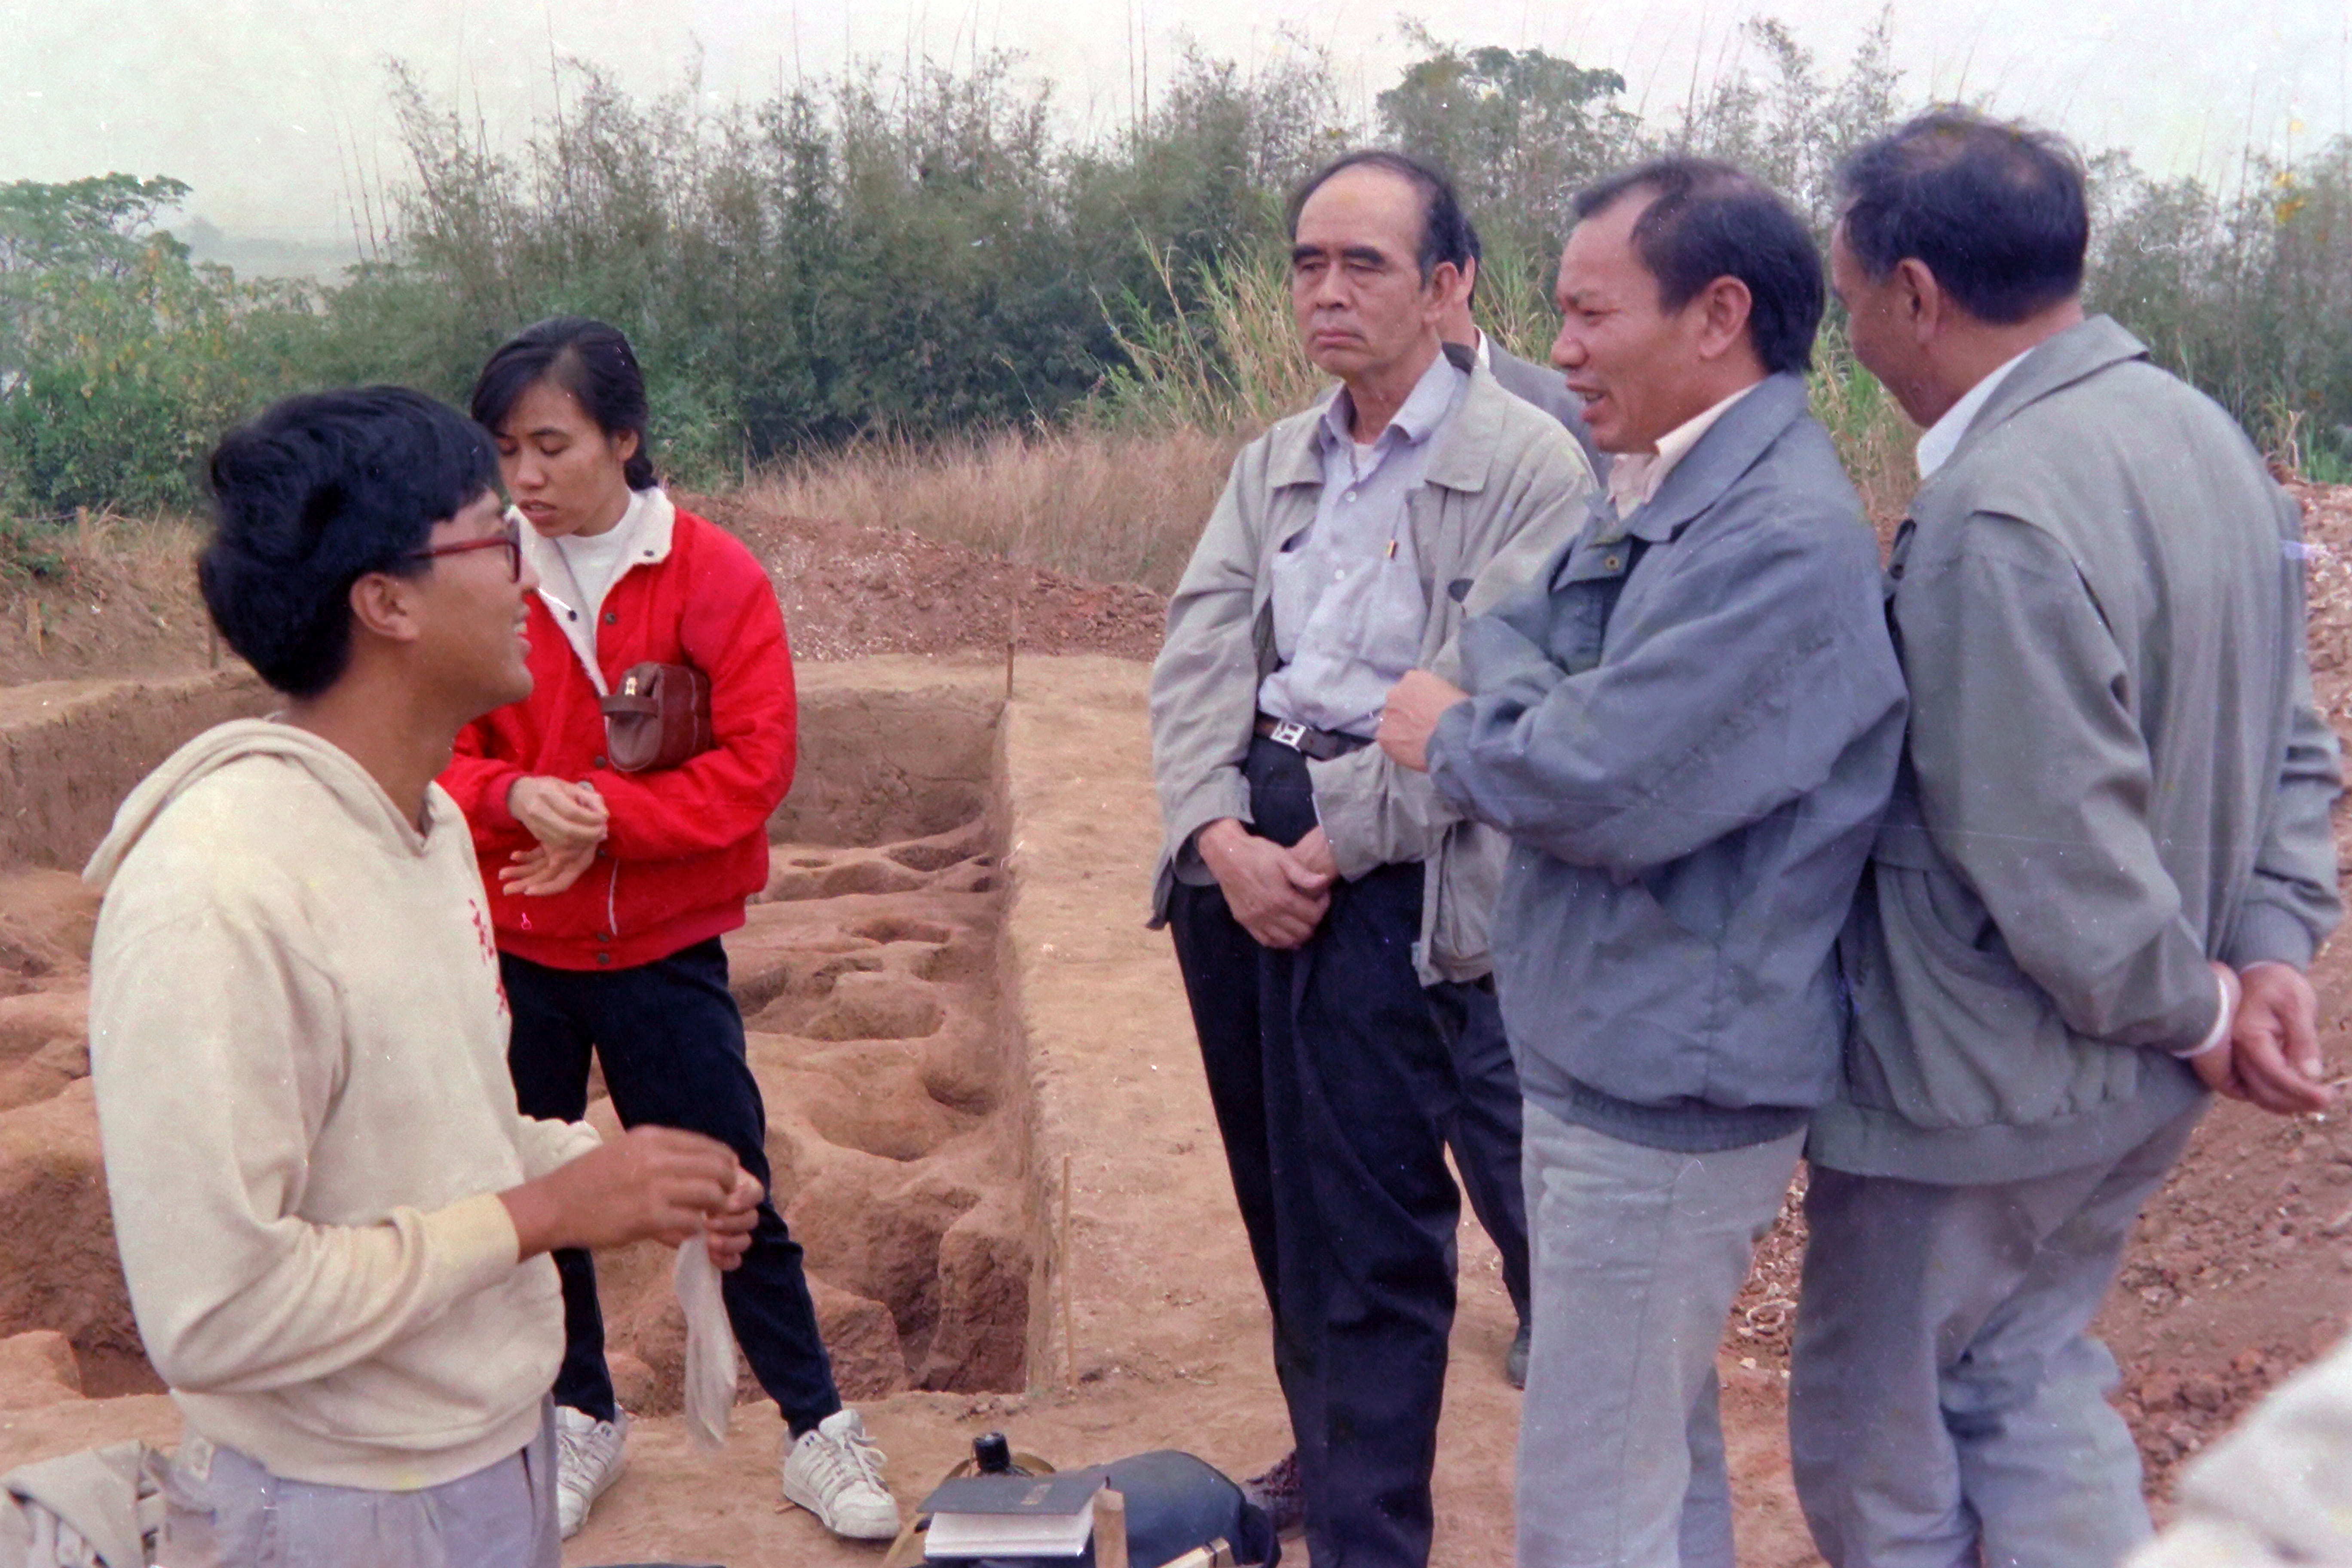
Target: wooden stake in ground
(1012, 641)
(1110, 1529)
(1069, 1322)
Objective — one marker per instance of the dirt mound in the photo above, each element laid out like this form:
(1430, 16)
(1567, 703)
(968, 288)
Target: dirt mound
(123, 600)
(117, 598)
(850, 591)
(71, 749)
(37, 1369)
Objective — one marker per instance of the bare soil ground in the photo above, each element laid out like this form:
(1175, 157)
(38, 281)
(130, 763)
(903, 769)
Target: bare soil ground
(2237, 1276)
(123, 600)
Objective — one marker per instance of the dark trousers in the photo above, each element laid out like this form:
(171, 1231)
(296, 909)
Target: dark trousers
(671, 1042)
(1339, 1080)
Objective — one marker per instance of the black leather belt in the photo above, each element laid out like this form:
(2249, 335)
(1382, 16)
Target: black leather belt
(1321, 745)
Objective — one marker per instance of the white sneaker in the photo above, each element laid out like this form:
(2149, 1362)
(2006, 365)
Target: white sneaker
(834, 1471)
(589, 1458)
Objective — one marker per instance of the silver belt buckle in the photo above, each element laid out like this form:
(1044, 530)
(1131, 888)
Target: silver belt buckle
(1288, 733)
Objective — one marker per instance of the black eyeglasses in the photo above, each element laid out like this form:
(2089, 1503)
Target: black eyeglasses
(508, 539)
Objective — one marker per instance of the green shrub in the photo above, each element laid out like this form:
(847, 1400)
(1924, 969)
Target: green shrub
(930, 256)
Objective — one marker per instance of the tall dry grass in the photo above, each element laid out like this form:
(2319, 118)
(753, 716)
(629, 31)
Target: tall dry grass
(1227, 360)
(104, 595)
(1103, 505)
(1875, 441)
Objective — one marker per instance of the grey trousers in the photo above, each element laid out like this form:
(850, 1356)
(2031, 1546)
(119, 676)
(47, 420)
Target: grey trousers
(225, 1510)
(1946, 1398)
(1636, 1255)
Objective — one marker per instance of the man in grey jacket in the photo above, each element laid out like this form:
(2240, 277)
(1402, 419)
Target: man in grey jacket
(1688, 727)
(1329, 913)
(2105, 868)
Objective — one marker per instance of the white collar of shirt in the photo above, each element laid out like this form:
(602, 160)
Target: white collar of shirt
(594, 562)
(1483, 353)
(650, 520)
(1636, 477)
(1942, 438)
(1423, 409)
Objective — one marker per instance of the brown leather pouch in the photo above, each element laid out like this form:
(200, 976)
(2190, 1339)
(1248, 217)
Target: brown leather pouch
(659, 718)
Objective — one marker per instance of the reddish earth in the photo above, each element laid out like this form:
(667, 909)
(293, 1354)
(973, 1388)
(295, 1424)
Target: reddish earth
(123, 600)
(875, 1000)
(851, 592)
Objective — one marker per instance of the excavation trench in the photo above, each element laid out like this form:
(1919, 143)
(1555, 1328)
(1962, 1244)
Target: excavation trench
(869, 974)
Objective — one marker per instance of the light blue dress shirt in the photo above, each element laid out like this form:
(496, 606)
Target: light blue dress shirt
(1348, 606)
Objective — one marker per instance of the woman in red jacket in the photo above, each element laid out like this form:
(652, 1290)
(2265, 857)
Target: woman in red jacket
(609, 890)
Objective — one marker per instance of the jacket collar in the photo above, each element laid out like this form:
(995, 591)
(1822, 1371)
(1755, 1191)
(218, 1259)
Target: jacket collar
(656, 528)
(656, 525)
(2079, 352)
(1729, 449)
(1460, 454)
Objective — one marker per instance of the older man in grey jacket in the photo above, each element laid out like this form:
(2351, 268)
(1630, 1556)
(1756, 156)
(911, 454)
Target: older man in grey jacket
(1688, 727)
(1329, 912)
(2106, 866)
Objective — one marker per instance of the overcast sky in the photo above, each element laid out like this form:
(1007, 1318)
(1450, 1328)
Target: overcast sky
(266, 106)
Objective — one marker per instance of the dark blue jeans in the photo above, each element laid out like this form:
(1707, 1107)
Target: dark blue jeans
(1338, 1080)
(671, 1041)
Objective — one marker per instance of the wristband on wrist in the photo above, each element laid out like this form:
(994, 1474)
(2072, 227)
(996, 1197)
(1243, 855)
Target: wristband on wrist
(2218, 1035)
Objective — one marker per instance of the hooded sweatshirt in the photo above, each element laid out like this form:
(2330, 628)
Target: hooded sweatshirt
(298, 1040)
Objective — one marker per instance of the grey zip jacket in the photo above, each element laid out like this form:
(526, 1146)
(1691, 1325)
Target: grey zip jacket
(1504, 487)
(1547, 390)
(1688, 727)
(2114, 773)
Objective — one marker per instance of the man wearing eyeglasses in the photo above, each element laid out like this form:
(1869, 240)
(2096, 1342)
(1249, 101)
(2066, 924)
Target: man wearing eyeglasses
(334, 1222)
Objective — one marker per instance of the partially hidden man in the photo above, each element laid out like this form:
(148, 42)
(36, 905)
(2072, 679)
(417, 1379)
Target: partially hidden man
(1688, 727)
(1542, 385)
(2105, 869)
(1328, 910)
(334, 1223)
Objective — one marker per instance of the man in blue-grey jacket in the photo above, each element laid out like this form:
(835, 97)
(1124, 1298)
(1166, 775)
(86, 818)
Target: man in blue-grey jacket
(1688, 727)
(2106, 866)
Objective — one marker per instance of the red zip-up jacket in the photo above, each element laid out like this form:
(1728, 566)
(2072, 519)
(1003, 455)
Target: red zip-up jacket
(686, 845)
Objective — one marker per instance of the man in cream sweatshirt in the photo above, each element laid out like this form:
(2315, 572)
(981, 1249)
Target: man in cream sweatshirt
(333, 1223)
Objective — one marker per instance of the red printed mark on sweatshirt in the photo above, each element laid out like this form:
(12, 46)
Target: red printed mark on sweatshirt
(489, 953)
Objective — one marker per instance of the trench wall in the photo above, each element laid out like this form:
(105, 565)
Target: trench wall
(71, 749)
(873, 974)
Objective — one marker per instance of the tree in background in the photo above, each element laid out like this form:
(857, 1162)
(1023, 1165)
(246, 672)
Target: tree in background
(120, 360)
(1521, 132)
(927, 255)
(2250, 296)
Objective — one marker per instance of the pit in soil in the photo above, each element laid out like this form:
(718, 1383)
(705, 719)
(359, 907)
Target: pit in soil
(866, 973)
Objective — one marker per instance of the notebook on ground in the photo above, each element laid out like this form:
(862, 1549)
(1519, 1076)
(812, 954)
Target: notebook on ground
(1012, 1516)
